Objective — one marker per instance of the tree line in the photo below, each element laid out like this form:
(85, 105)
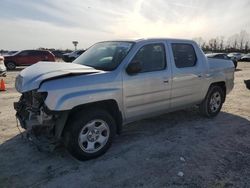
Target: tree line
(239, 42)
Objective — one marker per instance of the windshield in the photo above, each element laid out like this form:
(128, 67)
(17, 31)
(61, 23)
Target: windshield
(14, 53)
(105, 55)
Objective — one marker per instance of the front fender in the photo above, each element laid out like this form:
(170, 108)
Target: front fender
(59, 102)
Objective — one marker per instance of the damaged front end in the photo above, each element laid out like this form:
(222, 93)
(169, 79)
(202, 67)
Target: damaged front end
(36, 118)
(30, 110)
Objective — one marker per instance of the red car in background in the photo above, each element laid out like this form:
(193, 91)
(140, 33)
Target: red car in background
(27, 57)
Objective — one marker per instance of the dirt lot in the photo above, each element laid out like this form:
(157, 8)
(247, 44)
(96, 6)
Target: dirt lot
(149, 153)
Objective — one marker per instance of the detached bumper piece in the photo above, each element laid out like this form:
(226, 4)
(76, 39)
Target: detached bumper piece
(21, 114)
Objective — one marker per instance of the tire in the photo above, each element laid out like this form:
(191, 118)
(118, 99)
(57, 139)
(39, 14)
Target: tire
(211, 105)
(10, 65)
(89, 134)
(235, 64)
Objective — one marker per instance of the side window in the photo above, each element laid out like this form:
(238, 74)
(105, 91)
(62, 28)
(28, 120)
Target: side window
(43, 53)
(152, 57)
(35, 53)
(24, 53)
(184, 55)
(31, 53)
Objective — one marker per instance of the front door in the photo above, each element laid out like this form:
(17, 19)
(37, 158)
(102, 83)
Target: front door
(27, 58)
(148, 91)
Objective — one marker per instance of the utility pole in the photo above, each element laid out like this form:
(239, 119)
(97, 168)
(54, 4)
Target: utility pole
(75, 44)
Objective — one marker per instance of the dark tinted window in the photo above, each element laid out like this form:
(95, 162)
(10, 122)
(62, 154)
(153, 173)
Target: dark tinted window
(80, 52)
(220, 56)
(33, 53)
(38, 53)
(152, 57)
(25, 53)
(184, 55)
(45, 53)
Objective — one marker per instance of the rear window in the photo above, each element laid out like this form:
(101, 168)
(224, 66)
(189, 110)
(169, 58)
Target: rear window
(184, 55)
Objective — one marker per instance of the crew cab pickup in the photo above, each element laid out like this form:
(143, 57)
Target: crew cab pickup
(86, 103)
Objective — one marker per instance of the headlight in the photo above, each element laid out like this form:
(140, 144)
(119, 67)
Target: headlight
(40, 96)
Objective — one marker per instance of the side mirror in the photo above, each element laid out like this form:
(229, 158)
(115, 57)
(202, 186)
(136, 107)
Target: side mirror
(134, 67)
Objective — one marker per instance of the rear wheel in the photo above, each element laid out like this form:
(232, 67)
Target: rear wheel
(89, 134)
(212, 104)
(10, 65)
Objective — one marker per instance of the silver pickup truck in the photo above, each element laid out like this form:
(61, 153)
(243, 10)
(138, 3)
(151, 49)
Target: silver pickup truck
(86, 103)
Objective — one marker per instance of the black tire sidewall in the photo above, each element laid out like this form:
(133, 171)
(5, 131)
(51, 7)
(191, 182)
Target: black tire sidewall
(7, 65)
(210, 93)
(77, 123)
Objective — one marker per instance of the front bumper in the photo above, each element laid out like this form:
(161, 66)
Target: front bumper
(40, 135)
(32, 114)
(30, 111)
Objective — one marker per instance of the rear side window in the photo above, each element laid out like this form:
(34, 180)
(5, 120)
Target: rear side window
(44, 53)
(152, 57)
(184, 55)
(36, 53)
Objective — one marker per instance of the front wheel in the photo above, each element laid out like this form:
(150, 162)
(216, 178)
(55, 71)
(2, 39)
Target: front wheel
(89, 134)
(10, 65)
(211, 105)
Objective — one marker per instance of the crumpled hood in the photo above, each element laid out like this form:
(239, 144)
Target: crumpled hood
(31, 77)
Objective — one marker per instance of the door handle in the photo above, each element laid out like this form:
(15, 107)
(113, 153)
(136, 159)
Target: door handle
(165, 80)
(199, 75)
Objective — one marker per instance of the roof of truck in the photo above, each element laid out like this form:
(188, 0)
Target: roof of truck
(150, 39)
(157, 39)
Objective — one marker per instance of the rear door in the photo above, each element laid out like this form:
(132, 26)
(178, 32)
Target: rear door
(39, 56)
(147, 92)
(188, 75)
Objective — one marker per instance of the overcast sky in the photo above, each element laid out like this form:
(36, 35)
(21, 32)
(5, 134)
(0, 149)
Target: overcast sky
(29, 24)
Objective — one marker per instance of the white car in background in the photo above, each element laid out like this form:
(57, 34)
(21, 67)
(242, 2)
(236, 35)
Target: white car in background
(235, 55)
(2, 67)
(245, 57)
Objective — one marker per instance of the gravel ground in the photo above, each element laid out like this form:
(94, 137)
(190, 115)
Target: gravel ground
(180, 149)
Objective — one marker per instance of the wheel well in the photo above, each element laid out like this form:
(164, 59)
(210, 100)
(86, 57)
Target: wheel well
(110, 105)
(5, 62)
(223, 87)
